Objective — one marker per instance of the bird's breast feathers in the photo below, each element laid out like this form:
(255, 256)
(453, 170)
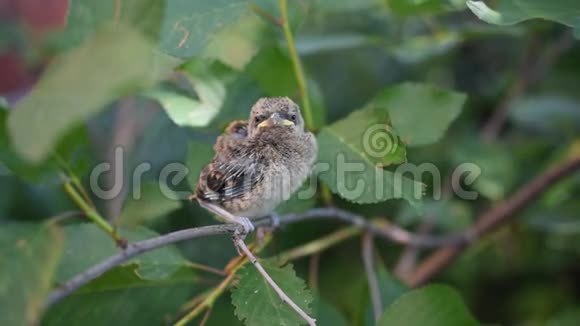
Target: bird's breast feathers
(262, 173)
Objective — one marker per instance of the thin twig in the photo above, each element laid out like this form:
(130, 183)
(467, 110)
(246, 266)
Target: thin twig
(209, 298)
(488, 221)
(92, 214)
(389, 232)
(239, 242)
(381, 228)
(408, 258)
(531, 70)
(368, 260)
(298, 70)
(205, 317)
(72, 178)
(208, 301)
(124, 135)
(117, 12)
(65, 216)
(266, 15)
(206, 268)
(132, 250)
(319, 244)
(313, 268)
(194, 302)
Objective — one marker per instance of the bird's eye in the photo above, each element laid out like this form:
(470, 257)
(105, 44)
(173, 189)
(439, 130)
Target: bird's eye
(257, 119)
(293, 117)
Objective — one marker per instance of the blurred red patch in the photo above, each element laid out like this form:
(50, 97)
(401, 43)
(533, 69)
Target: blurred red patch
(38, 15)
(14, 75)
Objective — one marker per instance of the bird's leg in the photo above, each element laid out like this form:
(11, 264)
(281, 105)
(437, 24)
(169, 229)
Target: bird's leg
(229, 217)
(275, 217)
(263, 230)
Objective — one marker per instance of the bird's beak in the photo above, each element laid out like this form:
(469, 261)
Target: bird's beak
(275, 120)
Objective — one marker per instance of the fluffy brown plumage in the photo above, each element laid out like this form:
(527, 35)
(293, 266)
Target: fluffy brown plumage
(259, 163)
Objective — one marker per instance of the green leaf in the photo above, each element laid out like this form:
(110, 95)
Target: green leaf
(327, 314)
(72, 151)
(414, 50)
(317, 44)
(258, 304)
(417, 7)
(351, 153)
(432, 305)
(420, 113)
(237, 43)
(78, 256)
(369, 133)
(183, 110)
(148, 205)
(390, 287)
(78, 85)
(204, 80)
(223, 29)
(509, 12)
(297, 13)
(188, 25)
(348, 5)
(121, 297)
(85, 17)
(390, 290)
(30, 254)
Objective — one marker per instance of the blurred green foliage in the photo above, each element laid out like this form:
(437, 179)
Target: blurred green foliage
(163, 78)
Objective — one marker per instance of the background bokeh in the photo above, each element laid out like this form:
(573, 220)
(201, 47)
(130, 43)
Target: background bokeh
(162, 78)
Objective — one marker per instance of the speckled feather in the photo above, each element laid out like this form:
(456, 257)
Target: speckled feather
(255, 169)
(235, 133)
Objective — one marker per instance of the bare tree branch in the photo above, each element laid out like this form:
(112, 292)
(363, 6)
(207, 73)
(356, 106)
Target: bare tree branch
(532, 69)
(410, 254)
(313, 268)
(381, 228)
(132, 250)
(488, 221)
(368, 260)
(390, 232)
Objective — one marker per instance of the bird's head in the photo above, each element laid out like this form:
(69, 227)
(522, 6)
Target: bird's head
(275, 112)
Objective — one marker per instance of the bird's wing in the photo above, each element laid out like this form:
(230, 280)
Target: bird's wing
(235, 133)
(229, 175)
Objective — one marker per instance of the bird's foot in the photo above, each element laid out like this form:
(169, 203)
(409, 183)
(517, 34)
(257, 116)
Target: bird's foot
(247, 228)
(247, 225)
(275, 217)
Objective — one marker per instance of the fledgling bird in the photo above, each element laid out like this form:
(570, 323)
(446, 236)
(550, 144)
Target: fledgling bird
(258, 164)
(236, 132)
